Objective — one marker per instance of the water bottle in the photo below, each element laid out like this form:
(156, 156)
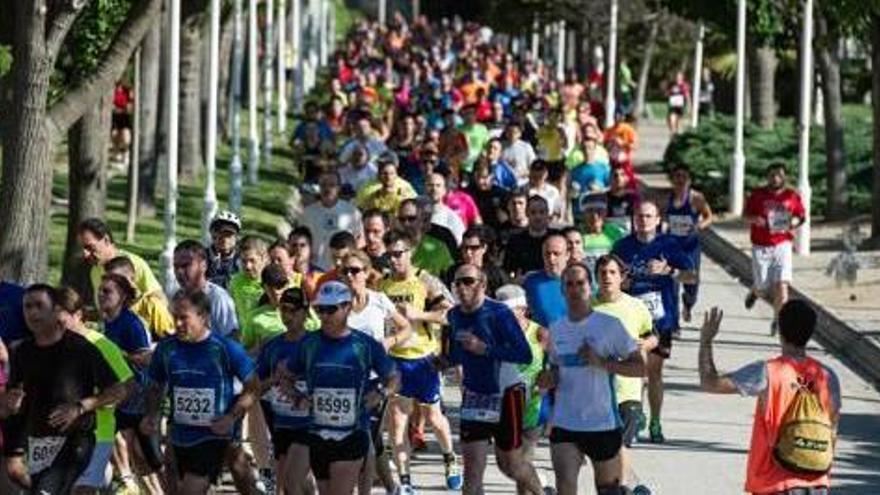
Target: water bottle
(641, 490)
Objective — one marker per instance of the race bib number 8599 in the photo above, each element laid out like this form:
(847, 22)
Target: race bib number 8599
(334, 407)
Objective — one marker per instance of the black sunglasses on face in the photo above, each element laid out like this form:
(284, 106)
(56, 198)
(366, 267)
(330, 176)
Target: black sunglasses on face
(408, 218)
(466, 281)
(471, 247)
(396, 254)
(327, 310)
(352, 270)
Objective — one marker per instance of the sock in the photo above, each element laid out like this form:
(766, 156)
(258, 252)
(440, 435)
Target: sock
(449, 458)
(405, 479)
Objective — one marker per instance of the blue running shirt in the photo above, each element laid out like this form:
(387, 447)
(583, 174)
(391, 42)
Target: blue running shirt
(544, 295)
(275, 351)
(658, 292)
(337, 374)
(199, 376)
(128, 332)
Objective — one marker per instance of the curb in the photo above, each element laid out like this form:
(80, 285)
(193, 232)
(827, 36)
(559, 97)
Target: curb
(861, 354)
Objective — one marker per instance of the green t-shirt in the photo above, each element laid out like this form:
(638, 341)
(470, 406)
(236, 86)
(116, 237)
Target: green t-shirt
(261, 324)
(637, 320)
(105, 419)
(245, 293)
(596, 245)
(477, 136)
(433, 256)
(144, 280)
(529, 373)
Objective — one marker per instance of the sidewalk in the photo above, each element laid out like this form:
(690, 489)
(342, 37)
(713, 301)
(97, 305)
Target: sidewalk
(855, 306)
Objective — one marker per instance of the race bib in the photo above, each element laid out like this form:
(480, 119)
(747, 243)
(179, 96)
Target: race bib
(283, 405)
(485, 408)
(681, 225)
(676, 101)
(779, 220)
(335, 407)
(194, 406)
(654, 302)
(42, 452)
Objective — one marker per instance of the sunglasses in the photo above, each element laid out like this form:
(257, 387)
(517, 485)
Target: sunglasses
(408, 218)
(397, 254)
(352, 270)
(466, 281)
(472, 247)
(327, 310)
(293, 308)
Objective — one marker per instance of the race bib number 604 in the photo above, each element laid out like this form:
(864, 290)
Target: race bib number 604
(42, 452)
(194, 406)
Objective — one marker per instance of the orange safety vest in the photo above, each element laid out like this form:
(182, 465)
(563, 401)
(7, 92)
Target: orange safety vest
(764, 474)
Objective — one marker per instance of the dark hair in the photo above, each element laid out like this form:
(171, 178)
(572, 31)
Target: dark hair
(191, 247)
(776, 165)
(45, 289)
(396, 235)
(295, 296)
(118, 262)
(68, 299)
(274, 276)
(568, 230)
(343, 240)
(96, 227)
(128, 290)
(520, 192)
(583, 266)
(477, 231)
(279, 243)
(681, 167)
(607, 259)
(197, 299)
(797, 321)
(377, 213)
(537, 197)
(412, 201)
(538, 165)
(301, 231)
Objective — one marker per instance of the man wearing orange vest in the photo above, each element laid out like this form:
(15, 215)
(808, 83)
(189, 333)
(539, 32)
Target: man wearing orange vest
(776, 383)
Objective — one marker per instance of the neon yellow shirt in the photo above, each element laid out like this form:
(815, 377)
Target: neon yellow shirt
(152, 309)
(637, 321)
(373, 196)
(245, 293)
(144, 280)
(410, 291)
(105, 418)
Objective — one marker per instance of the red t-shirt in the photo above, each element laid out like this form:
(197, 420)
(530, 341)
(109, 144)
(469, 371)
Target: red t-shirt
(777, 209)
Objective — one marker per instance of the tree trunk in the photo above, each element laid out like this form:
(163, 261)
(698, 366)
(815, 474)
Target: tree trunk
(149, 120)
(87, 144)
(827, 56)
(224, 85)
(763, 75)
(191, 158)
(645, 69)
(875, 105)
(27, 175)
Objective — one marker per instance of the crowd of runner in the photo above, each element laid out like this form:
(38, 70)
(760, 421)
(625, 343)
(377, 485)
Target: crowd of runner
(465, 219)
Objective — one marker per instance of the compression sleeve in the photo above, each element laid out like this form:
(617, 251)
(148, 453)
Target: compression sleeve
(513, 346)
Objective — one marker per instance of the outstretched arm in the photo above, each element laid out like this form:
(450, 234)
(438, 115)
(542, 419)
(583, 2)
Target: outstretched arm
(710, 380)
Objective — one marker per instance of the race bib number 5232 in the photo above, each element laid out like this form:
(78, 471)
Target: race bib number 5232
(194, 406)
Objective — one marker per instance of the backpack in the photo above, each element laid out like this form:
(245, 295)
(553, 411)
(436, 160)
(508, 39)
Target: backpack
(806, 437)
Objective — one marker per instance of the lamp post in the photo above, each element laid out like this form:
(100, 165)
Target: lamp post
(803, 237)
(235, 168)
(611, 68)
(210, 207)
(253, 88)
(698, 76)
(167, 258)
(282, 66)
(737, 173)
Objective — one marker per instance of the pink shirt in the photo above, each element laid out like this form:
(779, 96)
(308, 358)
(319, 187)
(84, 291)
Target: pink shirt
(461, 203)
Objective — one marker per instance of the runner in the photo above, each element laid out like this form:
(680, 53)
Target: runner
(329, 215)
(336, 363)
(373, 313)
(622, 200)
(196, 370)
(774, 211)
(781, 384)
(485, 339)
(190, 270)
(687, 214)
(678, 98)
(150, 307)
(598, 236)
(475, 251)
(524, 248)
(544, 287)
(245, 287)
(586, 348)
(95, 478)
(288, 423)
(422, 299)
(50, 410)
(655, 264)
(223, 256)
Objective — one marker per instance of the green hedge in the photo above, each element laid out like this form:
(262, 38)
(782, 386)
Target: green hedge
(708, 151)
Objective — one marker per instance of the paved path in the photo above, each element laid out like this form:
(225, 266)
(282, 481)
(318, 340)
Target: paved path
(708, 435)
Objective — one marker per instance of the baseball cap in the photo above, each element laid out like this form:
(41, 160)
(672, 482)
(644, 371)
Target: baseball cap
(593, 202)
(513, 296)
(296, 297)
(333, 293)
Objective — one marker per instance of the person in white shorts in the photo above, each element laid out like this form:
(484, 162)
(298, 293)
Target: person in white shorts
(774, 212)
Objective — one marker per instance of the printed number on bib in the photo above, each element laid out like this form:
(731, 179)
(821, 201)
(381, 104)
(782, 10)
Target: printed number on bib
(681, 225)
(654, 303)
(334, 407)
(676, 101)
(485, 408)
(42, 452)
(284, 405)
(194, 406)
(779, 220)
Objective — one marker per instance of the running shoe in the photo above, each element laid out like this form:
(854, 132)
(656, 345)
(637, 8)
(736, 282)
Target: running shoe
(656, 431)
(454, 480)
(751, 299)
(404, 490)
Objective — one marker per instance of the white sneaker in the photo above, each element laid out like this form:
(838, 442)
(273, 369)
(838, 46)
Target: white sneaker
(404, 490)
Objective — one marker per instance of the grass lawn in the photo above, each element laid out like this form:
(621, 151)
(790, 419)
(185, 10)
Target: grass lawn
(263, 205)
